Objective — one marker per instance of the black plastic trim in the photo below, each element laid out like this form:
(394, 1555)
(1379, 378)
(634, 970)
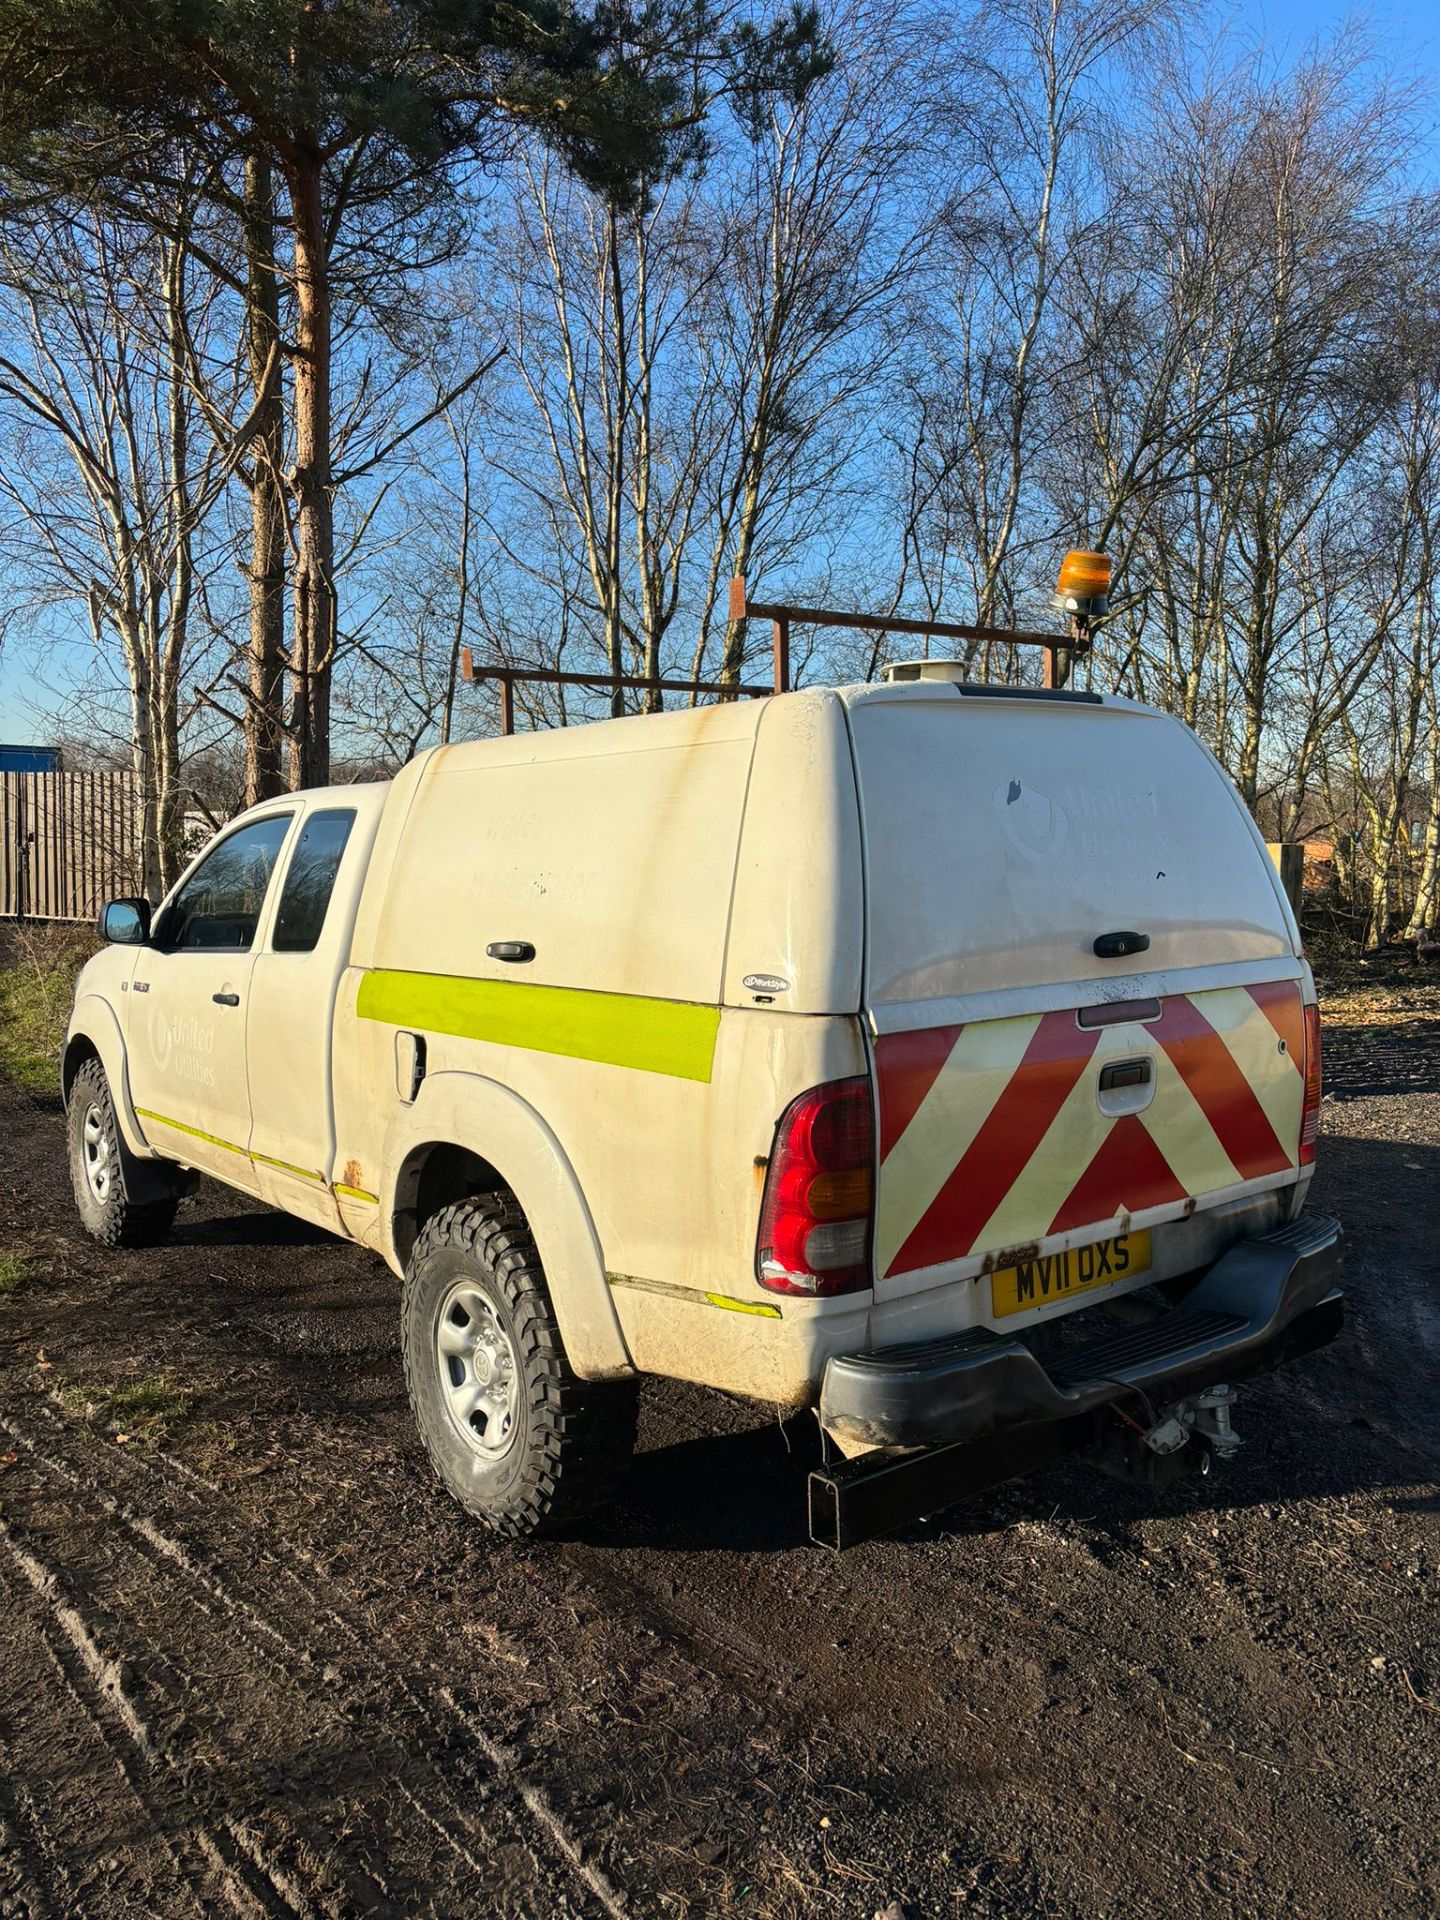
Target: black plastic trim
(856, 1500)
(967, 1385)
(1062, 696)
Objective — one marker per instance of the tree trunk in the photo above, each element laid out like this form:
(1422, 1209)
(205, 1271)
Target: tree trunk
(265, 712)
(462, 594)
(1427, 889)
(168, 641)
(170, 813)
(1252, 692)
(150, 875)
(313, 649)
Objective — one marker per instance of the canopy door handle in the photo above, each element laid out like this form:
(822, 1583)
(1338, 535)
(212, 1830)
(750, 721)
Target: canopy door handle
(510, 950)
(1115, 946)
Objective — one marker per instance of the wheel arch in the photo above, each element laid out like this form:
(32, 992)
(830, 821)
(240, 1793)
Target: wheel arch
(466, 1134)
(147, 1177)
(78, 1049)
(95, 1035)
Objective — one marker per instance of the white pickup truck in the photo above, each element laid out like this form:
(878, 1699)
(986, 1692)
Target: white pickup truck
(942, 1057)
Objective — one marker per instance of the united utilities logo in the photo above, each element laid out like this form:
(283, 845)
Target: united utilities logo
(182, 1046)
(1033, 823)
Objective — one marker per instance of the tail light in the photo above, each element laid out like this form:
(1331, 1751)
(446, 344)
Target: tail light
(816, 1216)
(1310, 1119)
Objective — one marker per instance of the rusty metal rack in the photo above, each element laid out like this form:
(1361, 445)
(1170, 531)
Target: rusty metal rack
(782, 618)
(507, 677)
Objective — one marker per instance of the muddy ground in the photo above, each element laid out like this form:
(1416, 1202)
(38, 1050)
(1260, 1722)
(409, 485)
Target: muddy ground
(253, 1661)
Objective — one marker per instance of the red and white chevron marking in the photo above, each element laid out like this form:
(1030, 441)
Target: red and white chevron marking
(991, 1134)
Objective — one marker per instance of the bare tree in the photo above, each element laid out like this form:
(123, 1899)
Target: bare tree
(1236, 359)
(992, 380)
(110, 485)
(691, 373)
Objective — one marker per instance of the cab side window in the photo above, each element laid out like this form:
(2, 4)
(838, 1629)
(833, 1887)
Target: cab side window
(218, 908)
(310, 881)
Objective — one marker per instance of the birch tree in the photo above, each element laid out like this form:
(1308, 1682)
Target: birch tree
(992, 385)
(693, 370)
(109, 479)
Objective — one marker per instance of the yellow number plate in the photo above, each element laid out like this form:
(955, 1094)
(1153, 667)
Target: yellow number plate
(1060, 1276)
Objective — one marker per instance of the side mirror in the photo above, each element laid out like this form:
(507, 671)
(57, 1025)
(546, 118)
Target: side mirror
(125, 923)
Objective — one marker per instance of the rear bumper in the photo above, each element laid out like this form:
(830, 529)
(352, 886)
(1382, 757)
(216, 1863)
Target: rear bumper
(1261, 1301)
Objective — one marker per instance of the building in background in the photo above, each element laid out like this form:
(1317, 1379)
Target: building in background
(29, 759)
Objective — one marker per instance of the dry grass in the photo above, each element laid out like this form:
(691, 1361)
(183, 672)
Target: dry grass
(1380, 1003)
(38, 966)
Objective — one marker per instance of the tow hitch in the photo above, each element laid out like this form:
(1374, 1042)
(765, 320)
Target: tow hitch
(854, 1500)
(1184, 1437)
(928, 1423)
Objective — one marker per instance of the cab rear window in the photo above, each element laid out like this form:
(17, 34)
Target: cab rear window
(310, 880)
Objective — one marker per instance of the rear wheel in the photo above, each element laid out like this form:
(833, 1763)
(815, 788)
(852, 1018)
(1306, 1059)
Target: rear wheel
(96, 1172)
(514, 1435)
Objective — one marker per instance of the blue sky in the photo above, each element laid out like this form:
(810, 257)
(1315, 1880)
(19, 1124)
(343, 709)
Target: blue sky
(1403, 32)
(1407, 30)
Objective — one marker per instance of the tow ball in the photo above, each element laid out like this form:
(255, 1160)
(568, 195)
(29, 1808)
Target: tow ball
(1203, 1418)
(1156, 1453)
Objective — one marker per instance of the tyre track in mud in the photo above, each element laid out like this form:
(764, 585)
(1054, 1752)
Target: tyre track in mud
(159, 1500)
(533, 1821)
(22, 1851)
(203, 1844)
(532, 1797)
(1072, 1700)
(68, 1653)
(708, 1650)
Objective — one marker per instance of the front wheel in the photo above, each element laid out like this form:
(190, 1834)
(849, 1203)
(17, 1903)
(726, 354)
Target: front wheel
(96, 1173)
(511, 1431)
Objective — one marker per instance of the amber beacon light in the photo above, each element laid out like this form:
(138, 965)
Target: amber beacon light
(1084, 583)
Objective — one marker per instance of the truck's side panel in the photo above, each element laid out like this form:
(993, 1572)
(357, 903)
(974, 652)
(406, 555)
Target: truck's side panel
(609, 849)
(797, 929)
(613, 853)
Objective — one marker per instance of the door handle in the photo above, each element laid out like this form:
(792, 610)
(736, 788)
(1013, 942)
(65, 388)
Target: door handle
(510, 950)
(226, 999)
(1124, 1073)
(1115, 946)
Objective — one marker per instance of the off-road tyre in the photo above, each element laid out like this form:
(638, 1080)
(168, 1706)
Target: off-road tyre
(105, 1212)
(570, 1436)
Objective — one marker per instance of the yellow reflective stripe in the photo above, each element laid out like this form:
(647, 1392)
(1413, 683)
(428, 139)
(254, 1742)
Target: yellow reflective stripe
(229, 1146)
(695, 1295)
(288, 1166)
(674, 1037)
(763, 1308)
(211, 1139)
(358, 1193)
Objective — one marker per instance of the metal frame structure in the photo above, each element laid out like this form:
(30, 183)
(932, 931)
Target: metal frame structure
(782, 618)
(1059, 648)
(507, 677)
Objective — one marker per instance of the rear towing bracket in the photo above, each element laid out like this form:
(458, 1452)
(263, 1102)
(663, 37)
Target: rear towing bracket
(947, 1418)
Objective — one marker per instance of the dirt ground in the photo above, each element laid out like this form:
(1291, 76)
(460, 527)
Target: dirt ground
(253, 1661)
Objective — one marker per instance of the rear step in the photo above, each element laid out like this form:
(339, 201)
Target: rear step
(1139, 1350)
(978, 1408)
